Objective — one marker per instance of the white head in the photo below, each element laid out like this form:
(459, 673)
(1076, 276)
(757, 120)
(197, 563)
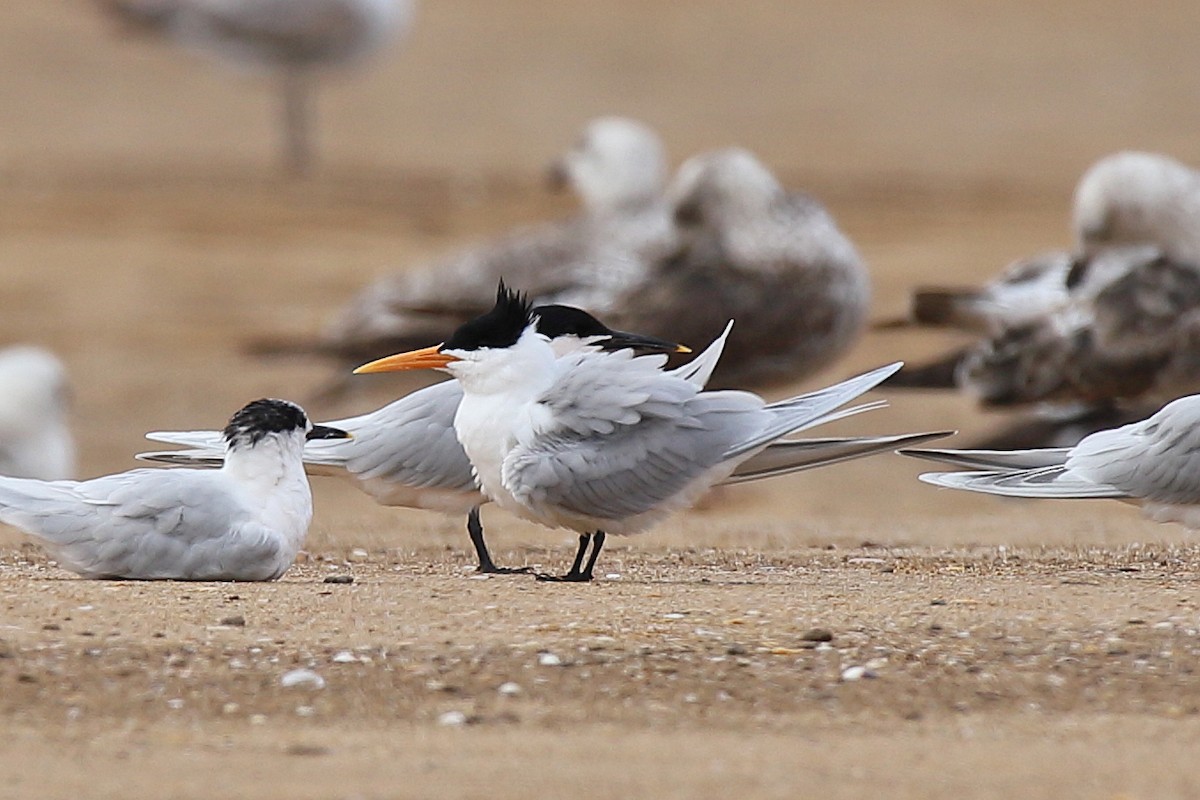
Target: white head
(34, 398)
(266, 438)
(1138, 198)
(616, 163)
(712, 187)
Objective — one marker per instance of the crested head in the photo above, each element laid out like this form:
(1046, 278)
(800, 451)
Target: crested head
(710, 185)
(616, 162)
(555, 320)
(261, 418)
(500, 327)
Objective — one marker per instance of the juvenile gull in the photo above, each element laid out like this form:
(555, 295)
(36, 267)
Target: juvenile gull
(294, 38)
(35, 440)
(604, 442)
(243, 522)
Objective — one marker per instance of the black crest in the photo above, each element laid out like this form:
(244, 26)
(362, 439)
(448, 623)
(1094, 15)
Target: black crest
(500, 327)
(556, 320)
(253, 422)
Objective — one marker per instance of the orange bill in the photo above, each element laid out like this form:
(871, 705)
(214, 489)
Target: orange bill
(426, 358)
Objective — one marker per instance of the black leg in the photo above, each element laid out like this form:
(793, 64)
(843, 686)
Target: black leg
(575, 575)
(486, 565)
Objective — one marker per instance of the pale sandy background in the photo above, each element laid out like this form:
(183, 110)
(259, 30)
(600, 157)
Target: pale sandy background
(145, 234)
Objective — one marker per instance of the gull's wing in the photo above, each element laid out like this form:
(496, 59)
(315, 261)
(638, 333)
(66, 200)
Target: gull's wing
(783, 457)
(145, 524)
(1048, 482)
(993, 459)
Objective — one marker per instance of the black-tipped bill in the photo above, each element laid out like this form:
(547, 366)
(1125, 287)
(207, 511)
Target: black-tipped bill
(620, 340)
(326, 432)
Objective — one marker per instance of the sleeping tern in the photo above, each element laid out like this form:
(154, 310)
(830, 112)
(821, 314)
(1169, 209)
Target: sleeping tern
(1154, 463)
(406, 453)
(243, 522)
(606, 442)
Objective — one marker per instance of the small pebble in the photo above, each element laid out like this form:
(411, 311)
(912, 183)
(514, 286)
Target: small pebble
(305, 711)
(452, 718)
(302, 677)
(856, 673)
(344, 657)
(509, 689)
(339, 579)
(175, 703)
(817, 635)
(549, 660)
(236, 621)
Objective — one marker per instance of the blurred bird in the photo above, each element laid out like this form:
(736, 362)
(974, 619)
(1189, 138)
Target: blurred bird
(295, 38)
(1089, 339)
(406, 454)
(750, 250)
(616, 169)
(243, 522)
(1130, 198)
(1154, 463)
(606, 442)
(35, 441)
(727, 242)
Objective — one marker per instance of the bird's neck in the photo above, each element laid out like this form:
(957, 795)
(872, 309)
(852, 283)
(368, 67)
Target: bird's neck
(266, 465)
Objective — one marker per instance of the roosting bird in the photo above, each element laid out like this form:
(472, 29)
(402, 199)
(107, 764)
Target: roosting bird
(243, 522)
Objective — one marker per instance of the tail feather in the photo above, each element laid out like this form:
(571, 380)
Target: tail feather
(783, 457)
(994, 459)
(799, 412)
(1047, 482)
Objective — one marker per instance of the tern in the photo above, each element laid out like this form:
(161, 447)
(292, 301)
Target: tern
(606, 442)
(296, 38)
(35, 441)
(406, 454)
(1154, 463)
(243, 522)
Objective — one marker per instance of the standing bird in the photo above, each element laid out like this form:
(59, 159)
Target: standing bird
(602, 442)
(35, 441)
(243, 522)
(294, 38)
(616, 168)
(1154, 463)
(406, 454)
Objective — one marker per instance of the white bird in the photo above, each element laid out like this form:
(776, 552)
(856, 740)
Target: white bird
(603, 442)
(1134, 198)
(295, 38)
(1154, 463)
(616, 168)
(243, 522)
(406, 454)
(35, 440)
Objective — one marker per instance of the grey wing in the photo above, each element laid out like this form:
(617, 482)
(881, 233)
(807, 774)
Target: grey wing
(411, 442)
(994, 459)
(1048, 482)
(1157, 458)
(138, 524)
(634, 467)
(784, 457)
